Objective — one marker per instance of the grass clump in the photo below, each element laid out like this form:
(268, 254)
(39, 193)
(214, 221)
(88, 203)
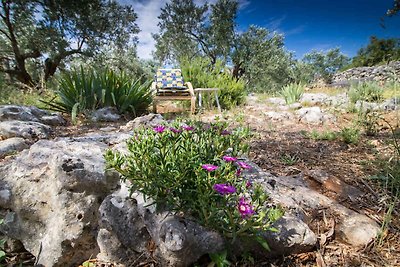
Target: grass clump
(324, 135)
(365, 91)
(292, 92)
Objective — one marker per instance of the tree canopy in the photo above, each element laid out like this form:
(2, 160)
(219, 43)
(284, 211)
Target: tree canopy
(378, 51)
(325, 64)
(44, 33)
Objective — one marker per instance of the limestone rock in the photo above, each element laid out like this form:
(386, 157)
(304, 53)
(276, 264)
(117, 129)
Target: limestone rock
(31, 113)
(12, 145)
(107, 114)
(53, 192)
(313, 115)
(278, 116)
(276, 101)
(24, 129)
(149, 120)
(295, 195)
(314, 99)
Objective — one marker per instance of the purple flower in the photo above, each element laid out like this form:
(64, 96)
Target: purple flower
(159, 128)
(225, 132)
(245, 209)
(188, 128)
(224, 189)
(229, 158)
(174, 130)
(249, 184)
(243, 165)
(209, 167)
(238, 172)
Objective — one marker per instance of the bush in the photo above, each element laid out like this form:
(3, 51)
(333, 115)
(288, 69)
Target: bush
(292, 93)
(81, 91)
(188, 169)
(366, 91)
(202, 74)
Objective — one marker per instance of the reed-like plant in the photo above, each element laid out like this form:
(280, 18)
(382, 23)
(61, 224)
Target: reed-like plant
(366, 91)
(292, 92)
(86, 90)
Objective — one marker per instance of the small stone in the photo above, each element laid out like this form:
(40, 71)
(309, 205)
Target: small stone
(12, 145)
(107, 114)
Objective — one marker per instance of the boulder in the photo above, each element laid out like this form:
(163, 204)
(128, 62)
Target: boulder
(313, 115)
(107, 114)
(12, 145)
(314, 98)
(296, 196)
(149, 120)
(50, 196)
(276, 101)
(24, 129)
(30, 113)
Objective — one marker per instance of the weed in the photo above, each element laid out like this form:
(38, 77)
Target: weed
(369, 121)
(325, 135)
(350, 135)
(289, 159)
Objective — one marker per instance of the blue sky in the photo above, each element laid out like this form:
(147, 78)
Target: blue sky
(322, 24)
(306, 24)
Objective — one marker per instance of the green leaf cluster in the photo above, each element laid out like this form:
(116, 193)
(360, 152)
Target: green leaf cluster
(167, 168)
(86, 90)
(292, 92)
(202, 74)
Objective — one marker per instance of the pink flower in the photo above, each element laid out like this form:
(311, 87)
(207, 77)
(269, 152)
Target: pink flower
(159, 128)
(245, 209)
(243, 165)
(224, 189)
(229, 158)
(238, 172)
(209, 167)
(174, 130)
(188, 128)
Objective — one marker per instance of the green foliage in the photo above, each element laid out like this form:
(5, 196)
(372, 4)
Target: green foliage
(325, 64)
(190, 30)
(366, 91)
(167, 165)
(324, 135)
(35, 44)
(395, 9)
(378, 51)
(202, 74)
(219, 259)
(289, 159)
(292, 93)
(350, 135)
(81, 91)
(260, 59)
(369, 121)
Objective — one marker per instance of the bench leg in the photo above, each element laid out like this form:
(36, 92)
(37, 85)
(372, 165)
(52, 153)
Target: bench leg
(216, 99)
(193, 105)
(154, 106)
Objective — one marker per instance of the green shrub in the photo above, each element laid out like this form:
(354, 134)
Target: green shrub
(187, 169)
(366, 91)
(350, 135)
(292, 92)
(81, 91)
(202, 74)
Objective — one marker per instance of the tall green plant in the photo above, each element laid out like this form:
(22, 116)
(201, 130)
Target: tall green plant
(292, 92)
(85, 90)
(201, 73)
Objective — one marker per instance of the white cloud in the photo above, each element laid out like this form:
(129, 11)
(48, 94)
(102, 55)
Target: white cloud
(147, 12)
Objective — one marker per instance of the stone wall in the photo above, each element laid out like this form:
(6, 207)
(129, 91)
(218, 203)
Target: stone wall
(379, 74)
